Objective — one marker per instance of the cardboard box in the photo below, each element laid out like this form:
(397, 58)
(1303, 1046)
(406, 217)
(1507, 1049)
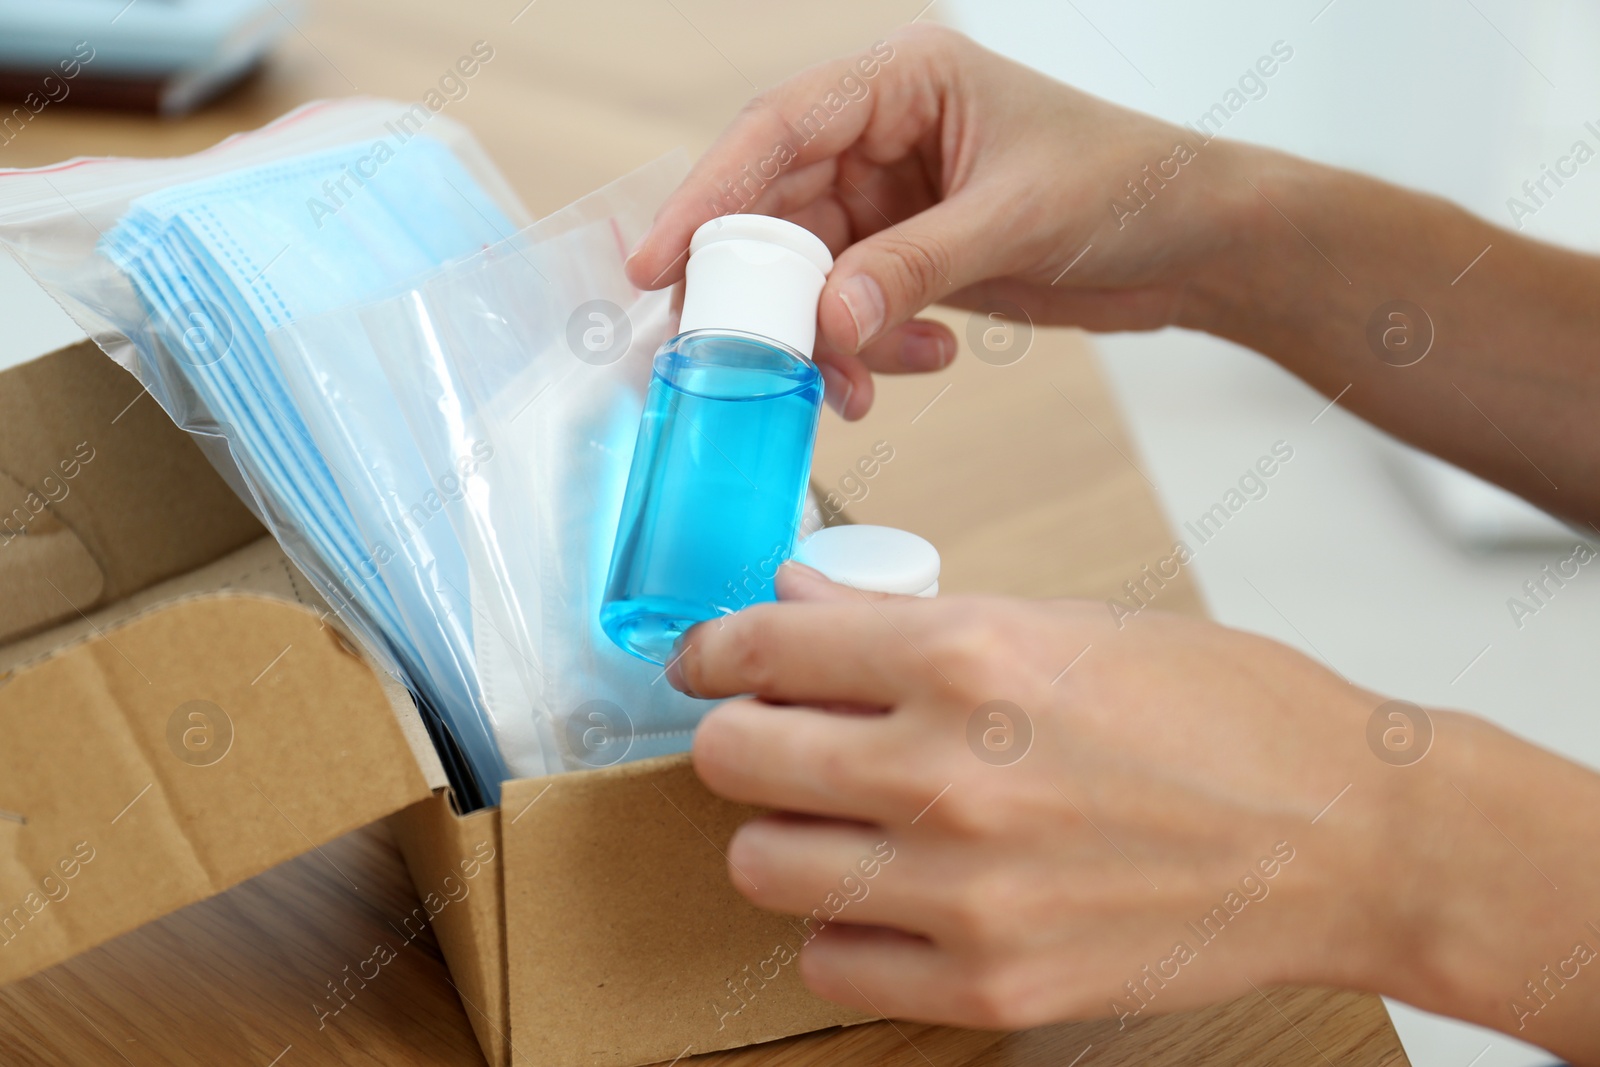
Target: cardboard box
(178, 714)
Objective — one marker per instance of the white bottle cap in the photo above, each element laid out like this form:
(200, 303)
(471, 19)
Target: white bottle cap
(878, 559)
(756, 274)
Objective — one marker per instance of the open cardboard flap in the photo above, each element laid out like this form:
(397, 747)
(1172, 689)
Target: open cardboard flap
(101, 496)
(602, 894)
(179, 713)
(179, 751)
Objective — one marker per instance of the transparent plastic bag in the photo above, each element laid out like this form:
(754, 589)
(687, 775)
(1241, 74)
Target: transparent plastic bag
(266, 292)
(488, 360)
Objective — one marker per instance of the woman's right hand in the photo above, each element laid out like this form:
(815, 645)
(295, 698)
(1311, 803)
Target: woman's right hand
(938, 171)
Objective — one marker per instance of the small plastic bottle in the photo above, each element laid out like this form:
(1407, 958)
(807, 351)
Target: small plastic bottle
(718, 481)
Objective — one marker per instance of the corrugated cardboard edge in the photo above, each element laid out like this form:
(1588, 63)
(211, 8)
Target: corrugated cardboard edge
(477, 941)
(260, 567)
(92, 454)
(45, 568)
(458, 858)
(167, 758)
(632, 860)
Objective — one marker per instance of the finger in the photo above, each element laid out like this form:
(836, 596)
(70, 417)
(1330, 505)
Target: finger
(915, 347)
(899, 976)
(797, 581)
(770, 137)
(675, 302)
(801, 196)
(884, 972)
(901, 86)
(918, 346)
(801, 189)
(875, 193)
(799, 759)
(882, 281)
(820, 869)
(824, 217)
(804, 653)
(847, 384)
(1096, 309)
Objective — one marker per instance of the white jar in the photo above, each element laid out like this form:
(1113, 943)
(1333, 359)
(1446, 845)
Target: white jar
(878, 559)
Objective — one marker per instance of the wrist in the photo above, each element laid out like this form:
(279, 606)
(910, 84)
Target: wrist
(1260, 265)
(1492, 883)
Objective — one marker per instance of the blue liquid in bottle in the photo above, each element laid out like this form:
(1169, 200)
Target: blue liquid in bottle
(717, 486)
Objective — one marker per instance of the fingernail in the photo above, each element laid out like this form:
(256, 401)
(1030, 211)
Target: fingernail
(674, 669)
(927, 351)
(863, 299)
(835, 389)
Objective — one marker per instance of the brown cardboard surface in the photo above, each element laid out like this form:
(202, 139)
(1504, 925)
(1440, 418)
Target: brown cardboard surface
(175, 755)
(440, 848)
(260, 567)
(172, 731)
(624, 936)
(48, 570)
(82, 449)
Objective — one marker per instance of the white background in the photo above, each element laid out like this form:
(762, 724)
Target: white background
(1440, 95)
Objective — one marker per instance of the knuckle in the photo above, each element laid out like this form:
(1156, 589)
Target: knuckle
(922, 263)
(901, 783)
(760, 108)
(751, 651)
(925, 36)
(994, 998)
(961, 911)
(983, 910)
(973, 650)
(967, 817)
(834, 767)
(766, 116)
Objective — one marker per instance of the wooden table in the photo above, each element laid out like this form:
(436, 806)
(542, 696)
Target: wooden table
(1021, 473)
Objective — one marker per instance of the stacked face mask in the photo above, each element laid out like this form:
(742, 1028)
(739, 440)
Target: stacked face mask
(221, 261)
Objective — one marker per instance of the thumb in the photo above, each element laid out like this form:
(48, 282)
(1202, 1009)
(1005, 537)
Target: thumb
(883, 280)
(796, 581)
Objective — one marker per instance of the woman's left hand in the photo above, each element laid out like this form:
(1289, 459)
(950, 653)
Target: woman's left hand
(1001, 813)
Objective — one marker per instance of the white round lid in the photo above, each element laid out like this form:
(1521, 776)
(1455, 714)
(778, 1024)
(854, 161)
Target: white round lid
(878, 559)
(755, 274)
(767, 228)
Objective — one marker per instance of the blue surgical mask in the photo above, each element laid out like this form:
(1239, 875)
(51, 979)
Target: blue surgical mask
(222, 261)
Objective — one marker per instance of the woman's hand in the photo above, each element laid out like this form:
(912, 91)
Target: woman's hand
(940, 172)
(1069, 818)
(1066, 803)
(950, 174)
